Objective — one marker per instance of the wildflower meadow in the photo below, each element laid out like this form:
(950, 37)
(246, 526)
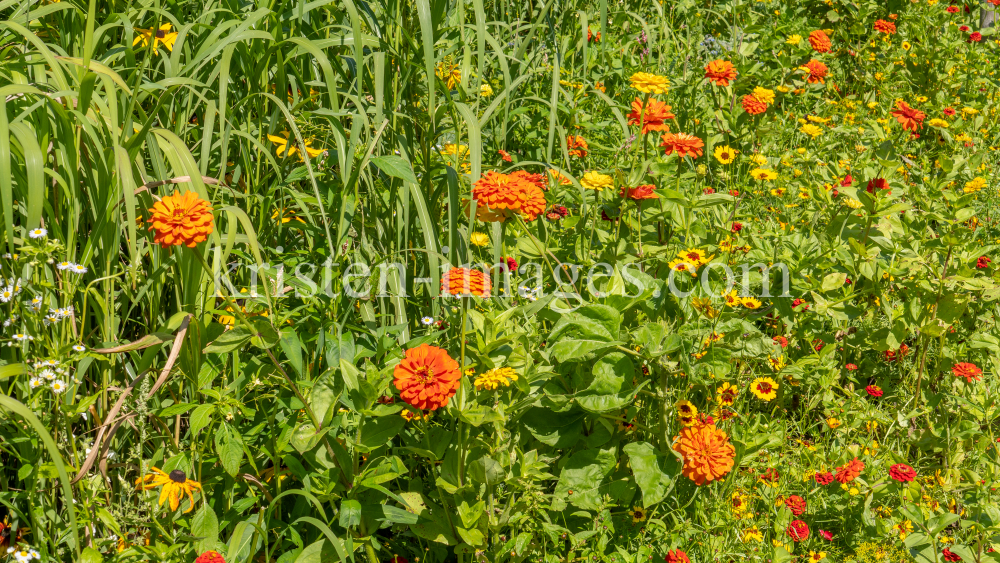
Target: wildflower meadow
(477, 281)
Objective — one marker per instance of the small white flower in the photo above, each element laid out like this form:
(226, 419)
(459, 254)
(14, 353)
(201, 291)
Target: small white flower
(6, 294)
(65, 265)
(36, 302)
(50, 363)
(37, 233)
(22, 556)
(47, 374)
(427, 320)
(36, 382)
(20, 337)
(10, 550)
(51, 319)
(78, 269)
(79, 348)
(58, 386)
(34, 554)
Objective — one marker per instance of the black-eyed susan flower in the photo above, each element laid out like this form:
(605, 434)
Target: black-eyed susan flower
(175, 485)
(284, 147)
(162, 36)
(725, 154)
(638, 513)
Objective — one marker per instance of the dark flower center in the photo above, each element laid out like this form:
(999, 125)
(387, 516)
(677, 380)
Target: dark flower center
(178, 476)
(160, 34)
(764, 387)
(424, 374)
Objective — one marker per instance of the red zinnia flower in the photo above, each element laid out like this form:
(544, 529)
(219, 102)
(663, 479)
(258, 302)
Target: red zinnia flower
(874, 390)
(677, 556)
(969, 371)
(826, 535)
(910, 118)
(847, 181)
(797, 530)
(511, 264)
(885, 27)
(824, 478)
(820, 41)
(949, 556)
(952, 9)
(781, 340)
(640, 193)
(849, 471)
(902, 473)
(720, 72)
(880, 183)
(975, 37)
(505, 155)
(948, 111)
(770, 476)
(851, 367)
(796, 504)
(983, 262)
(736, 227)
(964, 28)
(210, 557)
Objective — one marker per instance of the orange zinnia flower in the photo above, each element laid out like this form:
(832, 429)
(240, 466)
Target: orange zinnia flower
(720, 72)
(910, 118)
(753, 105)
(427, 377)
(820, 41)
(708, 455)
(817, 71)
(652, 118)
(577, 146)
(683, 144)
(969, 371)
(885, 27)
(516, 193)
(539, 180)
(639, 193)
(180, 219)
(849, 471)
(463, 282)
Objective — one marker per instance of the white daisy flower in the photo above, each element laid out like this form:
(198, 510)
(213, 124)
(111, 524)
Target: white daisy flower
(36, 303)
(79, 348)
(6, 294)
(427, 320)
(50, 363)
(47, 374)
(22, 556)
(10, 550)
(51, 319)
(37, 233)
(34, 554)
(36, 382)
(20, 337)
(78, 269)
(58, 386)
(65, 265)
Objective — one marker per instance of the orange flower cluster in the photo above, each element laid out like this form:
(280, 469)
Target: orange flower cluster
(640, 193)
(519, 192)
(910, 118)
(464, 282)
(720, 72)
(539, 180)
(682, 144)
(427, 377)
(820, 41)
(849, 471)
(653, 117)
(577, 146)
(886, 27)
(753, 105)
(180, 219)
(971, 372)
(707, 453)
(816, 70)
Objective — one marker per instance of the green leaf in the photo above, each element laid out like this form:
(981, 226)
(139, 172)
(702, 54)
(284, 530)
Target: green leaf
(350, 513)
(376, 432)
(305, 438)
(264, 335)
(229, 446)
(11, 370)
(581, 478)
(834, 281)
(91, 555)
(229, 341)
(205, 525)
(560, 430)
(486, 470)
(653, 473)
(396, 167)
(174, 410)
(579, 350)
(200, 418)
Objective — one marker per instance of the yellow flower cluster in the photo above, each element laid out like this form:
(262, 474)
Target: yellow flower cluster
(494, 378)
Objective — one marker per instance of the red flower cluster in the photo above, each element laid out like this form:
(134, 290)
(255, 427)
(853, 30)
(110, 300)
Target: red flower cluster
(902, 473)
(983, 262)
(210, 557)
(824, 478)
(851, 367)
(910, 118)
(556, 213)
(950, 556)
(849, 471)
(874, 390)
(781, 340)
(797, 530)
(796, 504)
(879, 183)
(677, 556)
